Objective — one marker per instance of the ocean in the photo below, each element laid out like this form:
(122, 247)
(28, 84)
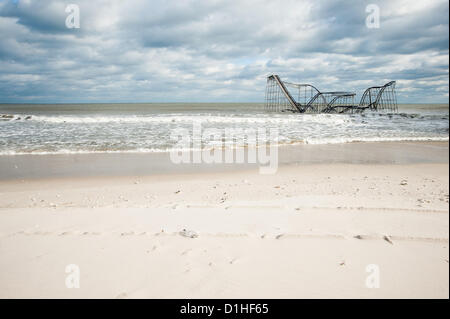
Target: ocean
(110, 128)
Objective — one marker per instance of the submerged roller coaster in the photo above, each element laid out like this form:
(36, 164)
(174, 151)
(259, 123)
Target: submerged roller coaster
(283, 96)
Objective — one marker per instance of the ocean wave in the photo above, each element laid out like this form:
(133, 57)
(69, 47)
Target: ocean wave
(343, 140)
(182, 118)
(15, 117)
(312, 141)
(262, 118)
(74, 152)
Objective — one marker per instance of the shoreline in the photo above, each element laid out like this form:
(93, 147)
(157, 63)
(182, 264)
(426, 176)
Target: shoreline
(13, 167)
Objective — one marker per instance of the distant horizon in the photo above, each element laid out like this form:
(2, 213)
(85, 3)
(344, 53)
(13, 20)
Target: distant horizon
(188, 102)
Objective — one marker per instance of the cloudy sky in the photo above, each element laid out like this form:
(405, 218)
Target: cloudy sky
(214, 50)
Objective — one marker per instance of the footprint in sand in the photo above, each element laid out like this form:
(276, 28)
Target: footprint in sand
(127, 233)
(65, 233)
(185, 252)
(188, 233)
(232, 261)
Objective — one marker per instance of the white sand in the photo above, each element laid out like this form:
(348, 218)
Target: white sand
(307, 232)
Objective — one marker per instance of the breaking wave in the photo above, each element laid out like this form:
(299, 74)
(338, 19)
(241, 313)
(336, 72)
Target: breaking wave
(43, 132)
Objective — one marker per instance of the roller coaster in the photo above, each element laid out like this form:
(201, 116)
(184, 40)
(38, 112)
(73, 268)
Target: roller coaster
(284, 96)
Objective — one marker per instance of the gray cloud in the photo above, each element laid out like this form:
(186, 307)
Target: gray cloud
(143, 51)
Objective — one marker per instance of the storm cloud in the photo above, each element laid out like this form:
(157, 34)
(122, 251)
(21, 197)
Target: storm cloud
(200, 51)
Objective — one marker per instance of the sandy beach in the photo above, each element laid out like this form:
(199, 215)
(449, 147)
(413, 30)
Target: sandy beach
(251, 153)
(315, 229)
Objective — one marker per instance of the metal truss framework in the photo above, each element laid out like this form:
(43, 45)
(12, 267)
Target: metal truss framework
(380, 98)
(305, 98)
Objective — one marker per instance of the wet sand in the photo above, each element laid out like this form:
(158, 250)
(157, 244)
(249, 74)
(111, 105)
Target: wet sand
(142, 164)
